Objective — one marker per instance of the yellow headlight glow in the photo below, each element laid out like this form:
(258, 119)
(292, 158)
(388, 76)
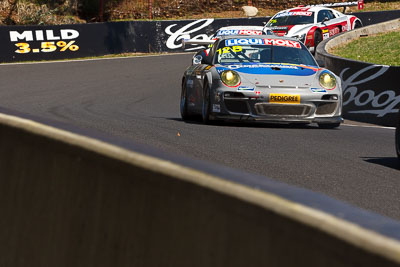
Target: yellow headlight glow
(327, 80)
(230, 78)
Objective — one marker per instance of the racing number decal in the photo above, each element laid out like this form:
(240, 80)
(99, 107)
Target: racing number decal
(223, 50)
(23, 48)
(227, 49)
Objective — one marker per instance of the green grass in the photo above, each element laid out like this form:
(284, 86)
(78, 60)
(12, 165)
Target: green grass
(383, 49)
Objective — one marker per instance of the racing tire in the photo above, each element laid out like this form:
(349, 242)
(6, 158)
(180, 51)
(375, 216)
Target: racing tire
(206, 109)
(184, 104)
(357, 25)
(328, 125)
(317, 40)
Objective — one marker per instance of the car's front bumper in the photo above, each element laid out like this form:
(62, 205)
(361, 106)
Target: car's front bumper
(311, 109)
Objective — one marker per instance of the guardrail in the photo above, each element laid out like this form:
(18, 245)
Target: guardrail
(29, 43)
(371, 92)
(71, 200)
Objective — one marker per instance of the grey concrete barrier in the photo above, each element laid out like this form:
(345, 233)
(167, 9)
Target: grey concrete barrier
(371, 92)
(71, 200)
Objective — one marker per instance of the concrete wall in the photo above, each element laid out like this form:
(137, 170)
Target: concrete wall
(371, 92)
(69, 200)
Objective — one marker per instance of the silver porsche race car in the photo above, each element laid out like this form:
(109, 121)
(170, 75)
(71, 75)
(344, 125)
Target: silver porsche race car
(261, 78)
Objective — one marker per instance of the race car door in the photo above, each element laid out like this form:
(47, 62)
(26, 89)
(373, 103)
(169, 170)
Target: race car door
(330, 25)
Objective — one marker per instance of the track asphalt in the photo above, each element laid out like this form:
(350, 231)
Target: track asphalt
(137, 99)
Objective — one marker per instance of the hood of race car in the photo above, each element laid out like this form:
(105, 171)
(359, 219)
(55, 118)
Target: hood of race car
(292, 30)
(273, 74)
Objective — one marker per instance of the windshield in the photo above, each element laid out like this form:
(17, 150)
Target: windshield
(262, 51)
(291, 18)
(238, 31)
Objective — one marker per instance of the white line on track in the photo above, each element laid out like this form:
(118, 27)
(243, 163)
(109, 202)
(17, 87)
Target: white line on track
(91, 59)
(369, 126)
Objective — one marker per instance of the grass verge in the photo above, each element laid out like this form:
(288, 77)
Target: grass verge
(383, 49)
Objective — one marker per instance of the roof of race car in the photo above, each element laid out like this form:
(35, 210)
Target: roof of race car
(307, 9)
(248, 30)
(240, 27)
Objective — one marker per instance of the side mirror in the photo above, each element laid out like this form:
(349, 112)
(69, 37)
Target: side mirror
(321, 63)
(197, 60)
(325, 19)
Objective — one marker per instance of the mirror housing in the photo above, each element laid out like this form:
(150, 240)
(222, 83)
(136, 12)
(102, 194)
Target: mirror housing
(197, 60)
(325, 19)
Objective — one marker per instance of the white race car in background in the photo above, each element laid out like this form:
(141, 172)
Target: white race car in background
(222, 32)
(312, 24)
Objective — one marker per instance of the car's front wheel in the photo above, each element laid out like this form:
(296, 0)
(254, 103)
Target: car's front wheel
(328, 125)
(357, 25)
(206, 110)
(317, 39)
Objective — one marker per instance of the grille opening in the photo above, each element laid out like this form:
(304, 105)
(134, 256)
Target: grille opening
(326, 108)
(236, 106)
(234, 94)
(282, 110)
(329, 97)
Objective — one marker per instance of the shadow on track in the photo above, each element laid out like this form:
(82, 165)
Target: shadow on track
(391, 162)
(251, 124)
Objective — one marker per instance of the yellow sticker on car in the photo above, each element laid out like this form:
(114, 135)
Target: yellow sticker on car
(284, 98)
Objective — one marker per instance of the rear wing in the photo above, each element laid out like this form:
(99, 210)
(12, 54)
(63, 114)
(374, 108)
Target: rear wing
(341, 4)
(186, 42)
(360, 5)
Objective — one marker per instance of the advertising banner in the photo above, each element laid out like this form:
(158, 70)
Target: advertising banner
(371, 93)
(31, 43)
(25, 43)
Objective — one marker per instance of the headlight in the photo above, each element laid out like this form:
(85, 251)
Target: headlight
(327, 80)
(230, 78)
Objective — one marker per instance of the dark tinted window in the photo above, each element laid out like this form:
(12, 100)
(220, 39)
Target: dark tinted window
(325, 14)
(331, 15)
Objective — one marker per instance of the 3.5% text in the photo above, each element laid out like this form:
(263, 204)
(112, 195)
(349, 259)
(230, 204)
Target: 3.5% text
(47, 47)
